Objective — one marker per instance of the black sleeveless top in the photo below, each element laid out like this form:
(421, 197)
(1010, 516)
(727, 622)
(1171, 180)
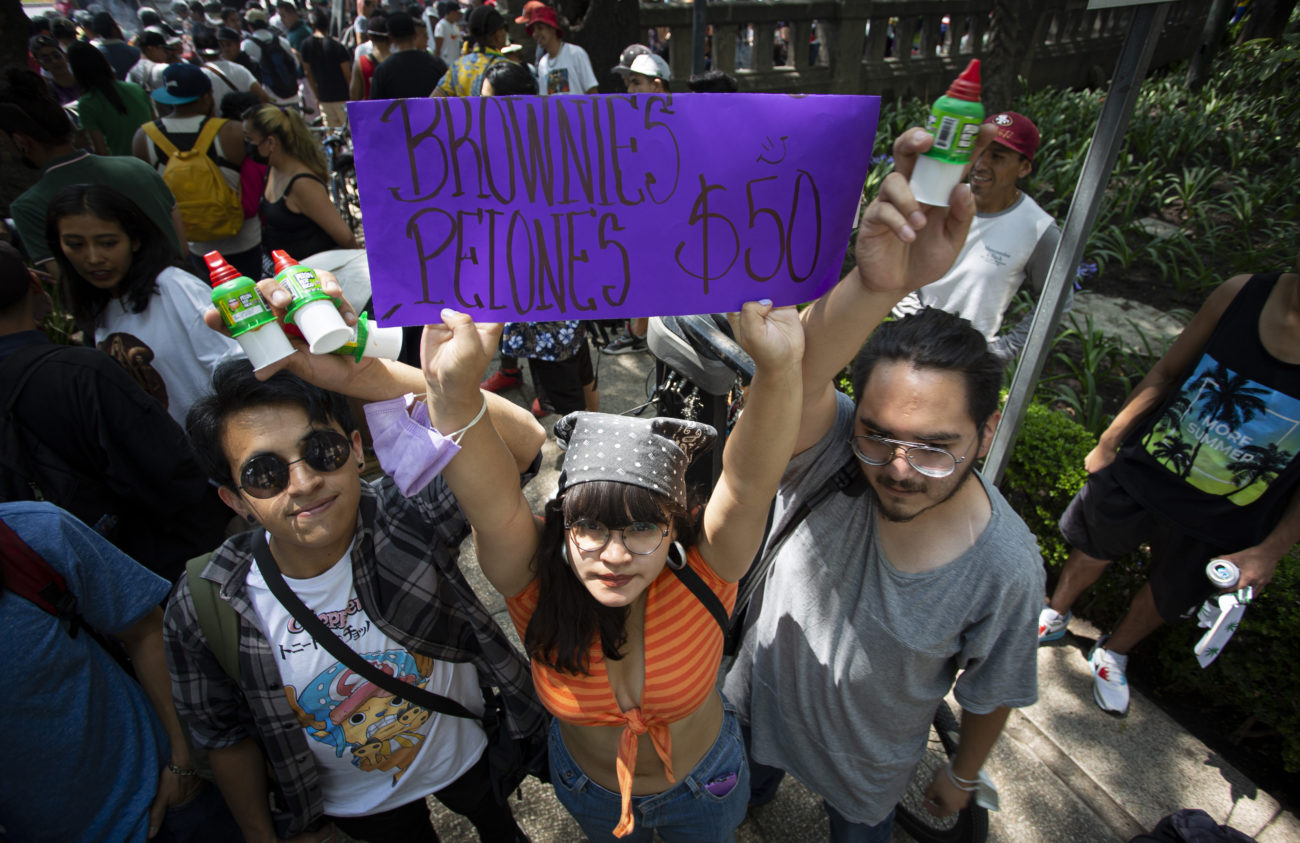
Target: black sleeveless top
(1222, 456)
(298, 234)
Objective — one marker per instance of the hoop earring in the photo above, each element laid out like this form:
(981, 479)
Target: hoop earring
(564, 552)
(681, 556)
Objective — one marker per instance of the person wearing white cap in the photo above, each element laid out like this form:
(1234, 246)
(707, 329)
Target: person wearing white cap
(643, 72)
(647, 74)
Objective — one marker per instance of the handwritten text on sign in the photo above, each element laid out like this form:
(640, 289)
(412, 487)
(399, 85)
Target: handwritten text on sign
(579, 207)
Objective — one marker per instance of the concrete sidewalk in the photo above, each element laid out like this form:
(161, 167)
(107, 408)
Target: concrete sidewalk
(1065, 771)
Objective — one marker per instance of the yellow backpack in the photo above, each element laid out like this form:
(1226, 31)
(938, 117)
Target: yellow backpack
(208, 204)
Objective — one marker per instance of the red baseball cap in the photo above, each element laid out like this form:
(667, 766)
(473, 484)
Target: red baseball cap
(544, 14)
(1016, 132)
(527, 16)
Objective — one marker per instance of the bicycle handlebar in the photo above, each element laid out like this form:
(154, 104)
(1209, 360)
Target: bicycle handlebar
(701, 349)
(708, 336)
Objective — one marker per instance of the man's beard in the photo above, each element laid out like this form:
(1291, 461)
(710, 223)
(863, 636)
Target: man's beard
(898, 518)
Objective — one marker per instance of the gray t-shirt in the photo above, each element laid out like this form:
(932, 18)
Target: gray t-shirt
(846, 657)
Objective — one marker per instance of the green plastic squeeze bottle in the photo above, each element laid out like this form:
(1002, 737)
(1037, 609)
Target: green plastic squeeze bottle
(312, 310)
(246, 313)
(955, 123)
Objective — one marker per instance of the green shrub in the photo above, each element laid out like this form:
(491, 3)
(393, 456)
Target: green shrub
(1043, 474)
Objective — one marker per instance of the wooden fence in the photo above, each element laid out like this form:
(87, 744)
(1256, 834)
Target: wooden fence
(902, 47)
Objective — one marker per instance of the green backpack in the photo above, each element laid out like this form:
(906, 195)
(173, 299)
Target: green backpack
(217, 618)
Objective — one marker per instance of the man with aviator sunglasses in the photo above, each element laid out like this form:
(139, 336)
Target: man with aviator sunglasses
(378, 568)
(875, 603)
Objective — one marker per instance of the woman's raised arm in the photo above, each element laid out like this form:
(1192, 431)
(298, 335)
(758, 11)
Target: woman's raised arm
(483, 476)
(762, 441)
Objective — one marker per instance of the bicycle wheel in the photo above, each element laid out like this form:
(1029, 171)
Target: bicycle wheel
(343, 191)
(969, 825)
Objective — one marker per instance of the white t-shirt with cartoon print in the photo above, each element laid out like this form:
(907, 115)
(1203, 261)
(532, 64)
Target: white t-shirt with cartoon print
(371, 748)
(568, 73)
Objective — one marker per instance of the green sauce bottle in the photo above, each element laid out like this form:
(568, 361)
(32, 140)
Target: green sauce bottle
(313, 311)
(955, 123)
(247, 315)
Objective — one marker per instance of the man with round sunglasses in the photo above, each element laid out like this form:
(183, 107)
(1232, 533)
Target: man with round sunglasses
(378, 568)
(919, 573)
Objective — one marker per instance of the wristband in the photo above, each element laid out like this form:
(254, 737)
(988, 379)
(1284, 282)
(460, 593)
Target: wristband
(967, 785)
(459, 434)
(181, 771)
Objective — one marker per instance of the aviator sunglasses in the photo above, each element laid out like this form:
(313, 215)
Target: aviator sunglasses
(267, 475)
(928, 460)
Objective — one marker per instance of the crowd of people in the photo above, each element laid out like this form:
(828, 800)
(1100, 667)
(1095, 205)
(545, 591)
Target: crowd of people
(278, 648)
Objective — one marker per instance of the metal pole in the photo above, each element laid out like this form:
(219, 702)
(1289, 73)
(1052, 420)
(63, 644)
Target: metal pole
(699, 31)
(1135, 56)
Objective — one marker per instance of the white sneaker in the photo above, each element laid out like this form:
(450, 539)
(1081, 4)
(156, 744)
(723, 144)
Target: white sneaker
(1051, 624)
(1109, 684)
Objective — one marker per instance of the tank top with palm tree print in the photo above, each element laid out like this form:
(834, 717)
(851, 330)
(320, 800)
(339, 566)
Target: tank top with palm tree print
(1220, 457)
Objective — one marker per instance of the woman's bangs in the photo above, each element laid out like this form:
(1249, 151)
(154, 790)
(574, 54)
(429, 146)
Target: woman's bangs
(613, 503)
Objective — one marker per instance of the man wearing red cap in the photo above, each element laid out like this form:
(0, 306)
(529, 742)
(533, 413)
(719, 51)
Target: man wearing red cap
(1011, 239)
(564, 68)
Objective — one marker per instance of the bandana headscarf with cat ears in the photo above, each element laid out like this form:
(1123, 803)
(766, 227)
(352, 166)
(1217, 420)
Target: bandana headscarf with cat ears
(651, 453)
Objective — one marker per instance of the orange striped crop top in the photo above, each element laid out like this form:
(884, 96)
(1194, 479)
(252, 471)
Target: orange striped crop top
(683, 647)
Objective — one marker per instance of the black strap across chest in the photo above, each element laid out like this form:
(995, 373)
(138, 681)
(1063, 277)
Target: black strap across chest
(333, 645)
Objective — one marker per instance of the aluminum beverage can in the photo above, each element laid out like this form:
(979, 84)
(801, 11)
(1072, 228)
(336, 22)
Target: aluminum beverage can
(1222, 573)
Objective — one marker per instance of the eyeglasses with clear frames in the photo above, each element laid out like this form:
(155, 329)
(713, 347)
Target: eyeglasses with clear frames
(926, 459)
(641, 538)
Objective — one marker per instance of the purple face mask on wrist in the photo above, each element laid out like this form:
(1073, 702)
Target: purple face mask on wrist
(409, 449)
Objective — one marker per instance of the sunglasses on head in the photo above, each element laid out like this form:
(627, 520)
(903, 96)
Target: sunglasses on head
(267, 475)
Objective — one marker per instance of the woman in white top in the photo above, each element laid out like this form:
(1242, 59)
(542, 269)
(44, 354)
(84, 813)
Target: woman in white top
(120, 276)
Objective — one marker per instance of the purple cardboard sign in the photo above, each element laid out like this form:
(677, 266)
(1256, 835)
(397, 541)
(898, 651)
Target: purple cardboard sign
(529, 209)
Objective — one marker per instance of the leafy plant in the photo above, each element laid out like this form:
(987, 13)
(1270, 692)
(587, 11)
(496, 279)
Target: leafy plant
(1088, 363)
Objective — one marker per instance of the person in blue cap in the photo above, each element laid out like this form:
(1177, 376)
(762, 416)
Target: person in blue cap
(188, 89)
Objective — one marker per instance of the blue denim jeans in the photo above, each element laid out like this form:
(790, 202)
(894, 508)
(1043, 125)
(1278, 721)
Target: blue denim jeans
(765, 780)
(203, 818)
(687, 811)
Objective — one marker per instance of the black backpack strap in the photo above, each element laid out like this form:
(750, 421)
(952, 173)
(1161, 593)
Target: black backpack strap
(25, 362)
(847, 479)
(693, 581)
(333, 645)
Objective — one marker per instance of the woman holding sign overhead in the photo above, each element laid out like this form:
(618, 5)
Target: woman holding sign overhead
(618, 599)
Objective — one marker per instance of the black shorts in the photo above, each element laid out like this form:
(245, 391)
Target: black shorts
(1105, 522)
(559, 383)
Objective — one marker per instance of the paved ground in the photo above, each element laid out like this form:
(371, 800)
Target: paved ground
(1065, 771)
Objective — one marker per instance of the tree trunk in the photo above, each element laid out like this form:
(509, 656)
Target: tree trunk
(1198, 71)
(1013, 34)
(14, 177)
(1267, 19)
(603, 28)
(13, 33)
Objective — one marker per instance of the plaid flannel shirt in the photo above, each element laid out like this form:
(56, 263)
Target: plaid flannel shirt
(404, 565)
